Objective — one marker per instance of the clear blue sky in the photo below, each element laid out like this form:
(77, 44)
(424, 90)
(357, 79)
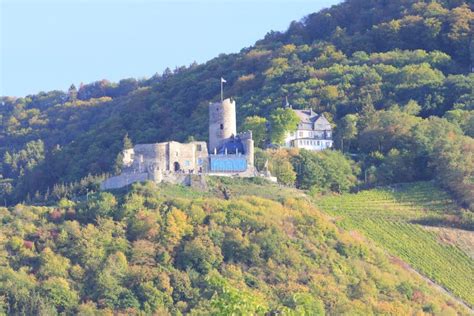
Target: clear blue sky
(47, 45)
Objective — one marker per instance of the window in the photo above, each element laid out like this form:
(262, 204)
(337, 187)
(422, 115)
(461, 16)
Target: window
(319, 143)
(187, 163)
(176, 154)
(301, 134)
(199, 148)
(222, 126)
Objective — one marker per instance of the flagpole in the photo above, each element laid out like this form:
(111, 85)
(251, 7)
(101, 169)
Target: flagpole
(222, 88)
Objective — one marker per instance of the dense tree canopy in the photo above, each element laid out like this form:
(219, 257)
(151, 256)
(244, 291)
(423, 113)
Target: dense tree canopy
(282, 122)
(349, 62)
(143, 253)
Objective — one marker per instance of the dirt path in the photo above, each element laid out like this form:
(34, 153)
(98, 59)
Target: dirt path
(464, 239)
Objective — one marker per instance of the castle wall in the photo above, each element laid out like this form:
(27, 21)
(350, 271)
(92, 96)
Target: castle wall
(169, 156)
(149, 157)
(123, 180)
(249, 148)
(222, 123)
(190, 157)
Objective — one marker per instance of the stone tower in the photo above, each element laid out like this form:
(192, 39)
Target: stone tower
(222, 123)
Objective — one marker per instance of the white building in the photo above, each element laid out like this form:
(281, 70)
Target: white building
(313, 132)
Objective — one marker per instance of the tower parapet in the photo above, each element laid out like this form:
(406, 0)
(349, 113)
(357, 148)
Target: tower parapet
(222, 123)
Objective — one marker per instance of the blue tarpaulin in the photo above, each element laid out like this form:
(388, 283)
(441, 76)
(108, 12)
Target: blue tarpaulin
(227, 163)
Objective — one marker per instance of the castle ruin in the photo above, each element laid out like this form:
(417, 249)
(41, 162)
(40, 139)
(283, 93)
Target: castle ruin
(228, 154)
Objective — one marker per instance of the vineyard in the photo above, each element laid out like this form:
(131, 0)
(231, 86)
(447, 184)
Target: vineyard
(389, 215)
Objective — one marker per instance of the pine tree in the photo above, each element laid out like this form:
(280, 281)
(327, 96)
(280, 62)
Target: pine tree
(72, 93)
(367, 113)
(127, 142)
(118, 164)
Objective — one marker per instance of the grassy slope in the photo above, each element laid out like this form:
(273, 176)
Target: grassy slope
(235, 188)
(389, 216)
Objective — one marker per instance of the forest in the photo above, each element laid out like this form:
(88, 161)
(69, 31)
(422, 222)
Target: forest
(394, 78)
(342, 232)
(168, 250)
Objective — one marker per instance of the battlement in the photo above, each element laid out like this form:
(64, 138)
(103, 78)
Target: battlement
(245, 135)
(222, 123)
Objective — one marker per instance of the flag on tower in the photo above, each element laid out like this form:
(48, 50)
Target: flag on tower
(222, 88)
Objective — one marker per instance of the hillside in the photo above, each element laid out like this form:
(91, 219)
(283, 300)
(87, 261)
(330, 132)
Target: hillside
(172, 250)
(398, 218)
(354, 230)
(376, 69)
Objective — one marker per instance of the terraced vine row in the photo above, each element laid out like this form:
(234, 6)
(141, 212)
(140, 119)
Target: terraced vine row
(386, 215)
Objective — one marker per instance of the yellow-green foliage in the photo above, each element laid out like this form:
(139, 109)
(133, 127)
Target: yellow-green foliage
(152, 252)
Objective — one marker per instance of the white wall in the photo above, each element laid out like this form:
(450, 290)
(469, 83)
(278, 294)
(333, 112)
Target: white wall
(294, 140)
(312, 144)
